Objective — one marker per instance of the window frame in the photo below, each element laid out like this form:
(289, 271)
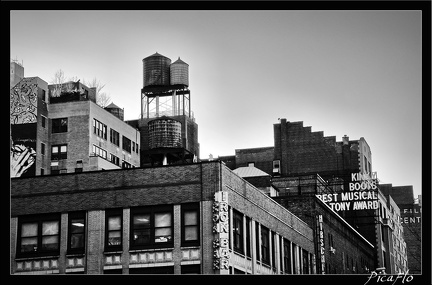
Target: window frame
(265, 245)
(100, 129)
(59, 125)
(114, 137)
(74, 216)
(112, 213)
(39, 220)
(59, 155)
(287, 256)
(151, 211)
(185, 208)
(238, 234)
(126, 144)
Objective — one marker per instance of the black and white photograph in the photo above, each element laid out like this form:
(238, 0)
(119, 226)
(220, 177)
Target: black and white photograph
(286, 141)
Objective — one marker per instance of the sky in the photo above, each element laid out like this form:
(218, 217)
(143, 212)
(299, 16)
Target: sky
(343, 72)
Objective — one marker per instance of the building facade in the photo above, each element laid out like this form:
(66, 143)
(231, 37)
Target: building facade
(410, 217)
(339, 247)
(193, 218)
(60, 129)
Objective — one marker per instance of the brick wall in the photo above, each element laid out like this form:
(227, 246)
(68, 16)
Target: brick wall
(302, 151)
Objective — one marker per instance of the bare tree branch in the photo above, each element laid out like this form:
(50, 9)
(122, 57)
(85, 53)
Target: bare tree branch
(102, 98)
(58, 80)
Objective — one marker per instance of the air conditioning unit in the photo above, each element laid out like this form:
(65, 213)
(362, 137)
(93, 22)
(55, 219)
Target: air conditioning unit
(333, 250)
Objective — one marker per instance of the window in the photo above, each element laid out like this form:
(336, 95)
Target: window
(114, 159)
(191, 269)
(151, 227)
(42, 148)
(59, 152)
(190, 224)
(238, 231)
(113, 225)
(79, 166)
(287, 256)
(273, 243)
(137, 148)
(248, 237)
(43, 121)
(76, 232)
(257, 243)
(305, 262)
(99, 152)
(59, 125)
(38, 235)
(114, 137)
(100, 129)
(265, 245)
(126, 164)
(126, 144)
(276, 167)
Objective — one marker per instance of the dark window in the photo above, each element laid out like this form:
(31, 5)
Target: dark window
(43, 121)
(305, 262)
(59, 152)
(42, 148)
(273, 241)
(114, 159)
(151, 227)
(238, 231)
(152, 270)
(191, 269)
(59, 125)
(287, 256)
(113, 271)
(114, 137)
(76, 232)
(113, 226)
(126, 144)
(248, 237)
(38, 235)
(190, 224)
(257, 243)
(42, 171)
(126, 164)
(79, 166)
(265, 245)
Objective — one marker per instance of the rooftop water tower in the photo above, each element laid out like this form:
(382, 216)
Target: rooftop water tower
(166, 122)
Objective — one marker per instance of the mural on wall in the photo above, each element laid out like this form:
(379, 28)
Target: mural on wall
(23, 102)
(23, 150)
(23, 118)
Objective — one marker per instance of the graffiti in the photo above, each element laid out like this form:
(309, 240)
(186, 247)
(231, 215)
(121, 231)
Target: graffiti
(23, 102)
(23, 150)
(21, 159)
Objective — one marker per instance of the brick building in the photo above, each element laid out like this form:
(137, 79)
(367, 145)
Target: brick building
(410, 217)
(299, 152)
(63, 130)
(192, 218)
(339, 247)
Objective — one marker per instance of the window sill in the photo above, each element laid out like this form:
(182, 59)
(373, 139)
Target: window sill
(150, 249)
(36, 257)
(75, 254)
(113, 252)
